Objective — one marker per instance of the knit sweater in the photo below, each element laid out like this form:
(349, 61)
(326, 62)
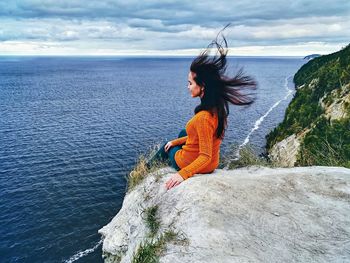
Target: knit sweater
(201, 151)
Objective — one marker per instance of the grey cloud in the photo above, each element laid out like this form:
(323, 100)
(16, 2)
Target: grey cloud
(166, 25)
(185, 36)
(176, 12)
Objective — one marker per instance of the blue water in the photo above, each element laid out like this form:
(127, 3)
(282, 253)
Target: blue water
(72, 128)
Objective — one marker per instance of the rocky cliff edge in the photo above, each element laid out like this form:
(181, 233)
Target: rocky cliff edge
(253, 214)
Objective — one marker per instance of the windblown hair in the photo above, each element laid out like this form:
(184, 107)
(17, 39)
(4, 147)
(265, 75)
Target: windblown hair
(220, 89)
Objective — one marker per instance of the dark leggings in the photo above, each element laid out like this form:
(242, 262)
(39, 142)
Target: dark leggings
(169, 156)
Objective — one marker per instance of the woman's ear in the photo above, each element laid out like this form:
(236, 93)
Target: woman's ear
(202, 92)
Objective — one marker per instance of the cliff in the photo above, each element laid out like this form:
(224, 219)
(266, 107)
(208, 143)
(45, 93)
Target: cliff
(254, 214)
(316, 126)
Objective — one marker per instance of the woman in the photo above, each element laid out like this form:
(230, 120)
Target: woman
(197, 148)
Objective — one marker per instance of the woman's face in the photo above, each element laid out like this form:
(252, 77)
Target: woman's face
(194, 88)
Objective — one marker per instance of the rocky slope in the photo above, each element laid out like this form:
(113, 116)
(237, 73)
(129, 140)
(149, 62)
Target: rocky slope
(318, 118)
(254, 214)
(286, 152)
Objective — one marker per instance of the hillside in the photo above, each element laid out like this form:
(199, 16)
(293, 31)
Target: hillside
(316, 126)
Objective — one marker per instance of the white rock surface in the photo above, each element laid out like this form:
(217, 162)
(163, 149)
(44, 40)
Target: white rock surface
(254, 214)
(337, 109)
(285, 152)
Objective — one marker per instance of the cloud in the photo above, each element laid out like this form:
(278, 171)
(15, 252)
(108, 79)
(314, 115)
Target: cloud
(175, 12)
(173, 25)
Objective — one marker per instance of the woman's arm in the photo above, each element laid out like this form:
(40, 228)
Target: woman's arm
(205, 130)
(179, 141)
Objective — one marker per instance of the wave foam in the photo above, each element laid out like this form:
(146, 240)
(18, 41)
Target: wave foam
(81, 254)
(260, 120)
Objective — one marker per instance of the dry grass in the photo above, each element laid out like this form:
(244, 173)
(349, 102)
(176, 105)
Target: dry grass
(141, 170)
(248, 155)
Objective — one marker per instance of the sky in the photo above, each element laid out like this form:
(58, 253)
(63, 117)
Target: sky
(170, 28)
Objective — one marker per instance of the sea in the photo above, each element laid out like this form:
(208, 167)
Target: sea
(72, 128)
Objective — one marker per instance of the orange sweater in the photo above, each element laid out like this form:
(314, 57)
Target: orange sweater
(200, 154)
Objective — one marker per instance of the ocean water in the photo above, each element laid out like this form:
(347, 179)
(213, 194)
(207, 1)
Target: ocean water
(71, 128)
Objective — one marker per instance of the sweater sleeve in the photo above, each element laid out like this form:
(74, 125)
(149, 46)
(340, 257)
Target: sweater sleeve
(179, 141)
(205, 131)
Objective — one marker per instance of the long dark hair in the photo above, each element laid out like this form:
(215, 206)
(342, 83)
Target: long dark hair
(219, 89)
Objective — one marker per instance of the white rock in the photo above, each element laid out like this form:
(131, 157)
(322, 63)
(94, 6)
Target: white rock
(337, 109)
(253, 214)
(285, 152)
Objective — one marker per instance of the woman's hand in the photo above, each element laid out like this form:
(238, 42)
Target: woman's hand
(168, 146)
(174, 181)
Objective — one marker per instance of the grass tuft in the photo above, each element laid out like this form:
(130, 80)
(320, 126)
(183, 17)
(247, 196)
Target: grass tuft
(152, 220)
(147, 252)
(150, 250)
(140, 170)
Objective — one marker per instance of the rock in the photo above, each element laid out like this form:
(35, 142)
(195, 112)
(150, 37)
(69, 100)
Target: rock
(285, 152)
(313, 84)
(252, 214)
(337, 110)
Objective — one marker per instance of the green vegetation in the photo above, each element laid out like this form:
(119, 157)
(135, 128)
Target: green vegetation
(150, 250)
(152, 220)
(316, 79)
(327, 145)
(332, 70)
(147, 252)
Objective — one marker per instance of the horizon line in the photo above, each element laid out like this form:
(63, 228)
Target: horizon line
(138, 55)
